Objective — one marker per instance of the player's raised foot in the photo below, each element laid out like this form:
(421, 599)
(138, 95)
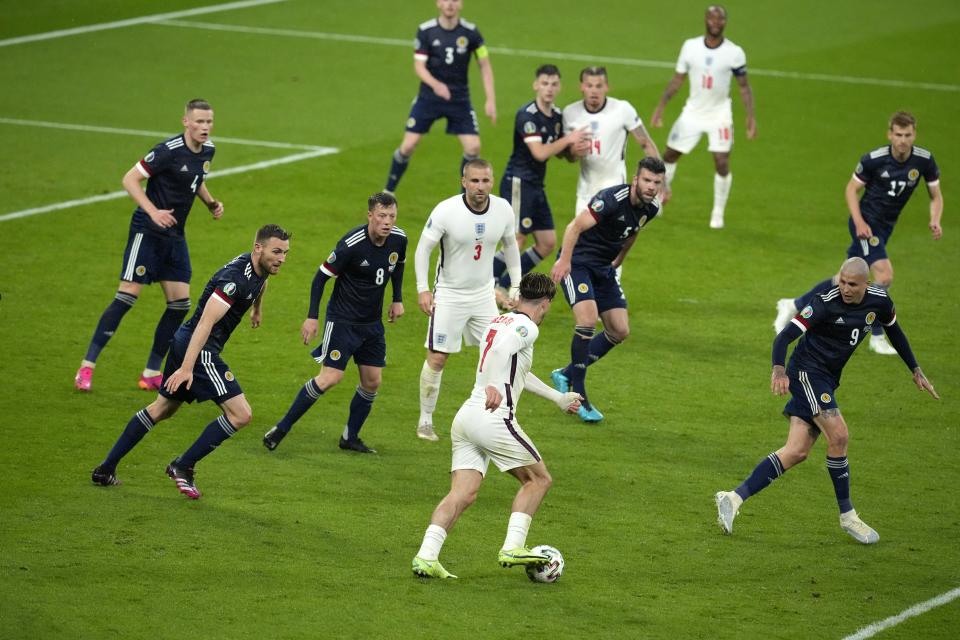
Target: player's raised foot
(521, 557)
(589, 415)
(150, 383)
(560, 382)
(785, 312)
(879, 344)
(857, 528)
(355, 445)
(272, 438)
(716, 220)
(183, 476)
(84, 379)
(105, 477)
(728, 505)
(425, 432)
(430, 569)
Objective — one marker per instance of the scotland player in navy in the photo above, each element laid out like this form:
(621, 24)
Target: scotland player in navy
(595, 243)
(537, 137)
(175, 171)
(194, 369)
(888, 177)
(833, 324)
(443, 48)
(365, 259)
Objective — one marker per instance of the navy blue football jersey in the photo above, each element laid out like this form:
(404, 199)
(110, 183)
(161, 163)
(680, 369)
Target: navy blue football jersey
(174, 174)
(531, 124)
(447, 54)
(362, 270)
(617, 219)
(889, 183)
(833, 329)
(237, 285)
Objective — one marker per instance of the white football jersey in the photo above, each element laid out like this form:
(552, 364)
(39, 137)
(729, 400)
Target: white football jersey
(506, 356)
(710, 72)
(468, 242)
(604, 166)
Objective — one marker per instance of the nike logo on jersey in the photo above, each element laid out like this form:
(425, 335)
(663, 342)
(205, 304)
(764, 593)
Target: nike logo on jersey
(184, 169)
(364, 263)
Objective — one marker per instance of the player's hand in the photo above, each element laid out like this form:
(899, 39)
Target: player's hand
(256, 316)
(864, 232)
(923, 384)
(395, 311)
(779, 382)
(309, 330)
(425, 302)
(569, 402)
(442, 91)
(493, 399)
(751, 128)
(560, 270)
(164, 218)
(936, 230)
(178, 377)
(656, 120)
(490, 108)
(216, 208)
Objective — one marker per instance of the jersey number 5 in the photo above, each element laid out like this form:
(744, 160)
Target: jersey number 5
(478, 249)
(490, 337)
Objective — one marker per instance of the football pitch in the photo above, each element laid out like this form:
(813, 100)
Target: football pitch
(309, 541)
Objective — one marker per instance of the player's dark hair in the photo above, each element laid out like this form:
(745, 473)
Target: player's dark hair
(268, 231)
(593, 71)
(476, 163)
(652, 164)
(547, 70)
(536, 286)
(903, 119)
(381, 198)
(198, 103)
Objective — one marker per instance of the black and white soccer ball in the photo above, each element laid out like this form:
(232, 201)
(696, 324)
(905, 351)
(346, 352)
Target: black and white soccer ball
(549, 572)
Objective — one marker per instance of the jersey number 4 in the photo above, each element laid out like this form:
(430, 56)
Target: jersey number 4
(490, 337)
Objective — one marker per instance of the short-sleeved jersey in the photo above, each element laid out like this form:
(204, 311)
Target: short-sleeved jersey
(236, 285)
(447, 54)
(617, 219)
(514, 334)
(890, 183)
(174, 173)
(710, 72)
(532, 125)
(362, 271)
(833, 329)
(468, 241)
(604, 165)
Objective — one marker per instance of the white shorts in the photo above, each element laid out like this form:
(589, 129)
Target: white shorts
(688, 128)
(479, 436)
(456, 321)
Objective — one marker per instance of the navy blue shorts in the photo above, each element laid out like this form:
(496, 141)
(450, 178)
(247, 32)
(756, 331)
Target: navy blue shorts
(530, 205)
(153, 258)
(461, 118)
(810, 393)
(365, 343)
(212, 378)
(594, 283)
(873, 248)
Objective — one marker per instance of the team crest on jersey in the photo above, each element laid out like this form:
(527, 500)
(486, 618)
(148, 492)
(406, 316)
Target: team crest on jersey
(440, 338)
(141, 270)
(643, 221)
(807, 311)
(874, 241)
(229, 377)
(870, 318)
(859, 168)
(149, 157)
(529, 127)
(480, 227)
(526, 222)
(335, 355)
(229, 289)
(206, 166)
(597, 206)
(461, 44)
(913, 175)
(582, 287)
(825, 397)
(708, 61)
(411, 122)
(332, 257)
(522, 332)
(392, 259)
(556, 129)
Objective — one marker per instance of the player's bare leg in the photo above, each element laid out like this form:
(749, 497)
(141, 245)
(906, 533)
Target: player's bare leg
(430, 376)
(882, 276)
(471, 148)
(721, 188)
(535, 481)
(464, 485)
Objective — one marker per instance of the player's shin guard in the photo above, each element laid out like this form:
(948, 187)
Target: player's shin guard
(213, 434)
(600, 346)
(398, 166)
(769, 469)
(359, 410)
(804, 300)
(429, 392)
(517, 529)
(169, 323)
(579, 359)
(839, 470)
(136, 428)
(308, 394)
(109, 321)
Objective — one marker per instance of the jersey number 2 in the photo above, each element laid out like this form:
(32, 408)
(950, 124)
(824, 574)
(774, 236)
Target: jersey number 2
(490, 337)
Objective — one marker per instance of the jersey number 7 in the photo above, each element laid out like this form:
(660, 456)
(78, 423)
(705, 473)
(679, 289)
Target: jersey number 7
(490, 337)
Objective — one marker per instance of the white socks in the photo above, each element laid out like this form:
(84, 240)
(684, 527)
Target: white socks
(721, 190)
(517, 530)
(432, 542)
(429, 392)
(671, 171)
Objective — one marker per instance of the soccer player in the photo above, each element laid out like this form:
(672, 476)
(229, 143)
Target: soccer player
(607, 122)
(468, 228)
(194, 369)
(887, 176)
(832, 326)
(175, 171)
(485, 428)
(443, 48)
(710, 61)
(595, 243)
(537, 136)
(365, 258)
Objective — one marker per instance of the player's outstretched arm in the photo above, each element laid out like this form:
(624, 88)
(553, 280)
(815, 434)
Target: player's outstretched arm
(936, 210)
(568, 402)
(643, 138)
(673, 86)
(923, 384)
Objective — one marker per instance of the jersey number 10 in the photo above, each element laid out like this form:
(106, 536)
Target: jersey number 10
(706, 81)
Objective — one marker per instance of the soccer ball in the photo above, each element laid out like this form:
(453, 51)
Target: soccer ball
(549, 572)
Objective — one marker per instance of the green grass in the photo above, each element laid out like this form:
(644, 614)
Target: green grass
(312, 542)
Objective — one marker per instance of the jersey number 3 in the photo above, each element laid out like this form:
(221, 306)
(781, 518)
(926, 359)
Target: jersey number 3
(478, 249)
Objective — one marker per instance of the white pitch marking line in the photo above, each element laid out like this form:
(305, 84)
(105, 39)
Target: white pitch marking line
(527, 53)
(873, 629)
(118, 24)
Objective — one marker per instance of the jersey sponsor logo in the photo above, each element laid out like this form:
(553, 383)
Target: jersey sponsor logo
(332, 257)
(874, 241)
(807, 312)
(870, 318)
(582, 287)
(184, 169)
(529, 127)
(229, 377)
(526, 223)
(393, 257)
(140, 269)
(522, 332)
(597, 206)
(480, 227)
(206, 166)
(913, 175)
(229, 289)
(825, 397)
(335, 355)
(149, 157)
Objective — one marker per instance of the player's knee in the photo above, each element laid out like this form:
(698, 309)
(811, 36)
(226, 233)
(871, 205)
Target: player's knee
(671, 155)
(840, 440)
(791, 457)
(544, 481)
(241, 418)
(545, 246)
(471, 150)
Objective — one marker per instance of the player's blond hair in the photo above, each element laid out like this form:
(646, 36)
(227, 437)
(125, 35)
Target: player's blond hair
(197, 103)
